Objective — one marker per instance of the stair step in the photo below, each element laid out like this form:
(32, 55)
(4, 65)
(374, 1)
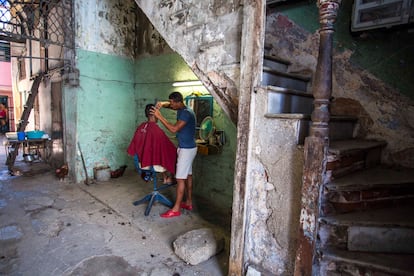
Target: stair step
(377, 177)
(340, 207)
(277, 89)
(396, 216)
(342, 262)
(284, 100)
(341, 128)
(347, 156)
(278, 59)
(336, 122)
(389, 230)
(287, 80)
(276, 63)
(372, 188)
(346, 147)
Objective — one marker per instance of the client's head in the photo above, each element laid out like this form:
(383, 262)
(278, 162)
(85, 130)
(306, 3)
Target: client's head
(148, 108)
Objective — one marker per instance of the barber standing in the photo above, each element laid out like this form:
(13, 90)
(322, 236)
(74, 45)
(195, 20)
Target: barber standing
(185, 128)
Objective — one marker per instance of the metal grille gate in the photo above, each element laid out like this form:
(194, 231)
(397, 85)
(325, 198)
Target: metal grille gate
(49, 22)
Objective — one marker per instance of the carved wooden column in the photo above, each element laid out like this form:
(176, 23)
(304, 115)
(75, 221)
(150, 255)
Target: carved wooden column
(316, 145)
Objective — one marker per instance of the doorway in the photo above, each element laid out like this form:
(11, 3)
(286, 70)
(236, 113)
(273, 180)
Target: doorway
(7, 118)
(57, 158)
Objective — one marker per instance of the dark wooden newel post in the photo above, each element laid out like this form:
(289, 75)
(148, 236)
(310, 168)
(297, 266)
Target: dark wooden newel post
(316, 145)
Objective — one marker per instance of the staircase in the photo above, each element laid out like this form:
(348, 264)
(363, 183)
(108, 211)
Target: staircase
(289, 97)
(366, 223)
(287, 93)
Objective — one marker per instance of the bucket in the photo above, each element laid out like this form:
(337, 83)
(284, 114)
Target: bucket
(21, 135)
(102, 173)
(28, 157)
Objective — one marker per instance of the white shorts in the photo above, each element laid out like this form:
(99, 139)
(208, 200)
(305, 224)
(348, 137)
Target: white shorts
(185, 158)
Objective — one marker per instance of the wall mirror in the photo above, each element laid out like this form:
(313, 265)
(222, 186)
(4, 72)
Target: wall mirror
(202, 107)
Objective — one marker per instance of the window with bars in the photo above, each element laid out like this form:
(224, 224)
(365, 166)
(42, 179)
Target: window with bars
(22, 68)
(4, 51)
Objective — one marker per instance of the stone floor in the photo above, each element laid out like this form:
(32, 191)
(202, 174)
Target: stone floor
(52, 227)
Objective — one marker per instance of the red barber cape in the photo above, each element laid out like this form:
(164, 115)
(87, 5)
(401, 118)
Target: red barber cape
(153, 147)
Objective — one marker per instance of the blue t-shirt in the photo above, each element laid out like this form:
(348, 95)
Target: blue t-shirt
(186, 136)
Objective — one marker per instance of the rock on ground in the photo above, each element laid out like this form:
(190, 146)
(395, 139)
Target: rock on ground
(197, 246)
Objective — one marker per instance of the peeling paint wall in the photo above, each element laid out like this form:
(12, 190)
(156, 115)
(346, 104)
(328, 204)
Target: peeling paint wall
(106, 27)
(384, 112)
(95, 111)
(203, 33)
(385, 53)
(104, 110)
(149, 41)
(275, 166)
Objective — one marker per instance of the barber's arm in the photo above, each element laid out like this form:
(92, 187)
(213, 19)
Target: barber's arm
(158, 105)
(171, 127)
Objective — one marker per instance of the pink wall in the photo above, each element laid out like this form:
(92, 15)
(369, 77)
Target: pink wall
(5, 74)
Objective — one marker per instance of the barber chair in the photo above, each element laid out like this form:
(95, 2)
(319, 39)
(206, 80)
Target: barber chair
(148, 174)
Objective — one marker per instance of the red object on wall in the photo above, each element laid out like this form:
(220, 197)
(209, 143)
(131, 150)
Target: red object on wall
(6, 90)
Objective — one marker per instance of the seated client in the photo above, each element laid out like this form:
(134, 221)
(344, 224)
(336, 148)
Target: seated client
(152, 146)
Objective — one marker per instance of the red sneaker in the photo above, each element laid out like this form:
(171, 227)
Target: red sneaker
(170, 214)
(185, 206)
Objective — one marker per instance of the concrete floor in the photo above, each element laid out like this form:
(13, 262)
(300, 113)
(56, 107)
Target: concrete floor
(50, 227)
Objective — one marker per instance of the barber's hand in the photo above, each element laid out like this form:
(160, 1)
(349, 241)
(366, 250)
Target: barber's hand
(155, 111)
(158, 105)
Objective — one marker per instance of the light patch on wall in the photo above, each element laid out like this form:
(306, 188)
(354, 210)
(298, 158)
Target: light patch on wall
(258, 150)
(187, 83)
(308, 223)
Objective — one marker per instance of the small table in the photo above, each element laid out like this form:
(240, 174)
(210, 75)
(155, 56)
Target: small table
(34, 147)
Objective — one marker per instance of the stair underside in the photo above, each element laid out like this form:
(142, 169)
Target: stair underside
(347, 262)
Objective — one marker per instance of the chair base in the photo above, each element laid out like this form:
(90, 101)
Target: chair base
(155, 196)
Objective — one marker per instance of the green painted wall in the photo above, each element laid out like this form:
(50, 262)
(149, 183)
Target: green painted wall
(214, 174)
(105, 109)
(154, 78)
(387, 54)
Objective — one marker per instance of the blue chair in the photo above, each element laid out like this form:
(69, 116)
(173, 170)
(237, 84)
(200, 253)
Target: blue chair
(150, 174)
